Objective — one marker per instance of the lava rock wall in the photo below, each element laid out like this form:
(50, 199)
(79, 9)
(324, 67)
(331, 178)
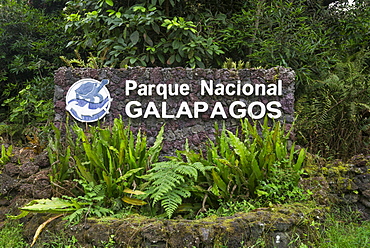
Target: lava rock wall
(177, 130)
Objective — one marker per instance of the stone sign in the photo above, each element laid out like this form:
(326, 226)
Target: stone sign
(188, 101)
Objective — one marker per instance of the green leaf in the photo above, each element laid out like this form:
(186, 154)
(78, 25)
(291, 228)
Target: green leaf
(109, 2)
(133, 192)
(301, 158)
(133, 60)
(156, 148)
(176, 44)
(53, 205)
(134, 37)
(128, 174)
(83, 172)
(171, 59)
(133, 201)
(219, 182)
(161, 58)
(148, 39)
(156, 27)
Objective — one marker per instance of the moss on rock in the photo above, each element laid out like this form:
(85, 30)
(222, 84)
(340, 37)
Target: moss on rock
(275, 226)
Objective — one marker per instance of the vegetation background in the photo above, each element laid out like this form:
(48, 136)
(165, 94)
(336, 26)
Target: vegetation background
(328, 47)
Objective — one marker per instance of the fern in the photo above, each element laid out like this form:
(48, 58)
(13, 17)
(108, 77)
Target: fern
(173, 199)
(171, 181)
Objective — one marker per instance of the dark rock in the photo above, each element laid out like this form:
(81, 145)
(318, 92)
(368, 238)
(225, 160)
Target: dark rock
(366, 193)
(26, 190)
(282, 225)
(4, 202)
(28, 169)
(280, 240)
(42, 160)
(360, 160)
(40, 185)
(365, 202)
(351, 198)
(363, 182)
(11, 169)
(240, 230)
(7, 184)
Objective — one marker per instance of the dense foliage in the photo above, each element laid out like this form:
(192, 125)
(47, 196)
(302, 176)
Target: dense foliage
(112, 171)
(31, 42)
(326, 46)
(116, 169)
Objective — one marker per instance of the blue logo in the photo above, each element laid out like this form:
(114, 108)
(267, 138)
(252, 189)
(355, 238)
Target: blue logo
(88, 100)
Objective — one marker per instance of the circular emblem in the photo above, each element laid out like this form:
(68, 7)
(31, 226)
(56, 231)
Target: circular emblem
(88, 100)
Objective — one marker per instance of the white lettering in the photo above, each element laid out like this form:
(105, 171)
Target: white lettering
(164, 112)
(184, 110)
(263, 89)
(280, 87)
(161, 90)
(241, 112)
(151, 109)
(130, 85)
(200, 107)
(218, 110)
(228, 91)
(184, 89)
(261, 113)
(220, 90)
(137, 111)
(247, 89)
(277, 111)
(206, 87)
(143, 90)
(272, 90)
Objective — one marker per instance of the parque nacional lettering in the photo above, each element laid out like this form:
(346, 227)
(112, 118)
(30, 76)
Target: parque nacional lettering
(237, 109)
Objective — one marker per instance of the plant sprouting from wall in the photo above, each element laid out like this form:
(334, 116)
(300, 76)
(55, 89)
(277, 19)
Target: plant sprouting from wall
(112, 157)
(245, 161)
(258, 163)
(172, 181)
(6, 154)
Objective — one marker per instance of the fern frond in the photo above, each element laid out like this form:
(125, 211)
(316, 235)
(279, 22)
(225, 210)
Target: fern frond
(162, 187)
(169, 182)
(186, 170)
(173, 199)
(201, 167)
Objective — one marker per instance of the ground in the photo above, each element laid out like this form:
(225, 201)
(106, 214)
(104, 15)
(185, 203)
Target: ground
(26, 177)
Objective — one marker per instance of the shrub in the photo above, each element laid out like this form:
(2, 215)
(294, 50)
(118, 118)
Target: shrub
(139, 35)
(244, 165)
(172, 181)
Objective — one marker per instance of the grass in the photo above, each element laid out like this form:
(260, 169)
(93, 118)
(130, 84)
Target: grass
(343, 228)
(340, 234)
(11, 236)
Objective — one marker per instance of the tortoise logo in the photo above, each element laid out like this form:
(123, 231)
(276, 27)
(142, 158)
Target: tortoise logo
(88, 100)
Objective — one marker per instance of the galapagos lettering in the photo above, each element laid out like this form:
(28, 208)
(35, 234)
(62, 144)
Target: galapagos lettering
(237, 109)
